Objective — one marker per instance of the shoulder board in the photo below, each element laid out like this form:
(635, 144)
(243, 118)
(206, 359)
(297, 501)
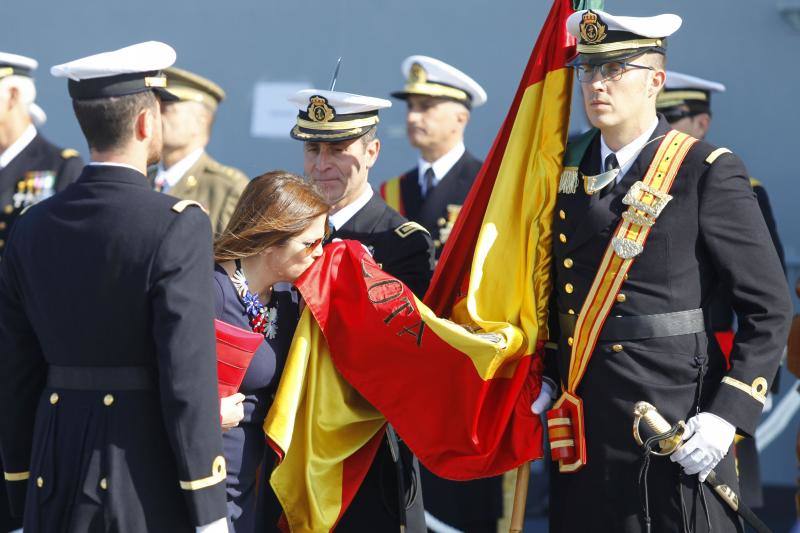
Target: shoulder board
(68, 153)
(755, 183)
(406, 229)
(715, 154)
(183, 204)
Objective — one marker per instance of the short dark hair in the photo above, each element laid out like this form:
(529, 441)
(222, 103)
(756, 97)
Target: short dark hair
(107, 122)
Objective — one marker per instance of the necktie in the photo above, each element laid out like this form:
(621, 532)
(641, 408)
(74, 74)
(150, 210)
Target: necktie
(610, 164)
(430, 181)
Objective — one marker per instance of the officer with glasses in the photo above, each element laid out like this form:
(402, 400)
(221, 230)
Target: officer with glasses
(648, 223)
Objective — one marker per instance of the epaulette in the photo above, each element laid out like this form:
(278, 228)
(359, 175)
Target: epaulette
(715, 154)
(407, 228)
(68, 153)
(183, 204)
(755, 183)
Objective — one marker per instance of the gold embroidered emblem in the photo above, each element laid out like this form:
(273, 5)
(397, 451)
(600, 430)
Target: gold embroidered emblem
(592, 29)
(417, 74)
(319, 110)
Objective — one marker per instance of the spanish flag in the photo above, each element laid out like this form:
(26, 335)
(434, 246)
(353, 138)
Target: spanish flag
(455, 377)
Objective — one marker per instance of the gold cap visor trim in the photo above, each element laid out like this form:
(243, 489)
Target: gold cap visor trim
(620, 45)
(16, 476)
(336, 126)
(434, 89)
(6, 71)
(341, 135)
(155, 81)
(187, 94)
(218, 475)
(671, 98)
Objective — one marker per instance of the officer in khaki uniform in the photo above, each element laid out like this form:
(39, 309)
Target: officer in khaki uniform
(186, 170)
(648, 223)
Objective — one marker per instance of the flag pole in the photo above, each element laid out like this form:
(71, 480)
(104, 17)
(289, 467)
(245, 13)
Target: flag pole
(520, 497)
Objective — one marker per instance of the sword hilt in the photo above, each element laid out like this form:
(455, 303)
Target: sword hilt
(646, 412)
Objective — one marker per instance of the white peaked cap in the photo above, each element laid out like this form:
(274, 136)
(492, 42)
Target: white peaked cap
(677, 80)
(142, 57)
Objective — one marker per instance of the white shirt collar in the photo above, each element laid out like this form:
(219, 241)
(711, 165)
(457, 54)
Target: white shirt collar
(440, 167)
(172, 175)
(110, 164)
(628, 153)
(17, 146)
(340, 218)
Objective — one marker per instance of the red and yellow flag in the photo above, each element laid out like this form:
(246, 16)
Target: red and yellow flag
(458, 390)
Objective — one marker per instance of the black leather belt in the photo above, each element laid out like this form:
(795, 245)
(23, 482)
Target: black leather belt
(101, 378)
(625, 328)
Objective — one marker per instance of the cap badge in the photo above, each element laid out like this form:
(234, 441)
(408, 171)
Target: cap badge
(592, 28)
(417, 74)
(319, 110)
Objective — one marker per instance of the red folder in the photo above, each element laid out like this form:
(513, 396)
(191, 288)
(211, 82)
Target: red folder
(235, 349)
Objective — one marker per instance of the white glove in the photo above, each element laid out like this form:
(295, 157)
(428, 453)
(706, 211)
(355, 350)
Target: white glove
(217, 526)
(767, 404)
(708, 438)
(545, 399)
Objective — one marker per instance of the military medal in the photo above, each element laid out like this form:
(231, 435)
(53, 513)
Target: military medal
(263, 319)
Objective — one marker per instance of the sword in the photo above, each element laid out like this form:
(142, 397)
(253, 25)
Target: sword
(335, 74)
(646, 412)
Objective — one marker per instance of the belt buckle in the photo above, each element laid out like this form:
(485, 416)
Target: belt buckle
(649, 212)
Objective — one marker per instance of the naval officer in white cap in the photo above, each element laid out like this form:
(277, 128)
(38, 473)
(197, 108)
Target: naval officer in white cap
(439, 99)
(108, 376)
(685, 101)
(648, 223)
(31, 168)
(340, 146)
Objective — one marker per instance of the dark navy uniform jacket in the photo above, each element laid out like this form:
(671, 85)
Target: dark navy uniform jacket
(40, 170)
(37, 172)
(712, 233)
(452, 189)
(110, 412)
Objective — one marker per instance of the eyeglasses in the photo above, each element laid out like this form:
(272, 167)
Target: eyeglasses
(611, 71)
(309, 246)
